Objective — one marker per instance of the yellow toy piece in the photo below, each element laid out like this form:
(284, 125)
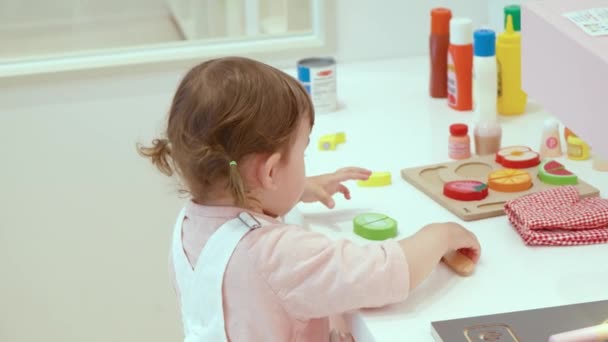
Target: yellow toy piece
(577, 149)
(376, 179)
(340, 137)
(329, 142)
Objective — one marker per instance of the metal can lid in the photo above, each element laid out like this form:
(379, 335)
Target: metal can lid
(317, 62)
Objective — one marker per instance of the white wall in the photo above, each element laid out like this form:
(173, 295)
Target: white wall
(394, 28)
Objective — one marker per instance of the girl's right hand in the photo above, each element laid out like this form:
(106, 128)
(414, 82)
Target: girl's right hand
(462, 240)
(425, 249)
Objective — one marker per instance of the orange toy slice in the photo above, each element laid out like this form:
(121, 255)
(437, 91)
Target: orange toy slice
(509, 180)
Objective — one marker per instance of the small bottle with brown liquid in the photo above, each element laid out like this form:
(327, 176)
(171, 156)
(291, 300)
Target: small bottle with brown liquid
(487, 133)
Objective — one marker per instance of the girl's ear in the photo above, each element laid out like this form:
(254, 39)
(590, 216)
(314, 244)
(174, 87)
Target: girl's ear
(268, 171)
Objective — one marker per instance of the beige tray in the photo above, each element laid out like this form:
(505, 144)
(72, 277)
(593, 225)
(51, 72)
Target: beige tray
(430, 179)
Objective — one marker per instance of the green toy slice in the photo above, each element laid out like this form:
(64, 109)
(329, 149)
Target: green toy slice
(554, 173)
(374, 226)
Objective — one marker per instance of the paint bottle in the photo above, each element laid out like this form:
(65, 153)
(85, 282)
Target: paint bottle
(511, 98)
(439, 41)
(515, 12)
(487, 133)
(459, 143)
(550, 146)
(484, 72)
(577, 148)
(460, 64)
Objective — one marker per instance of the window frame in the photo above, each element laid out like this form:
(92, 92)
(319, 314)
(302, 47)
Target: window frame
(321, 41)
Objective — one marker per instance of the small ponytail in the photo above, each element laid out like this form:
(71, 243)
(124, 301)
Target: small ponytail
(160, 155)
(236, 185)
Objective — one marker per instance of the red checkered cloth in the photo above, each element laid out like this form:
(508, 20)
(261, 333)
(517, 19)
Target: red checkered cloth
(559, 217)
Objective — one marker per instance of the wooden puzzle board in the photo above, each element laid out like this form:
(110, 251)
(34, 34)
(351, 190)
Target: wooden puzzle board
(430, 179)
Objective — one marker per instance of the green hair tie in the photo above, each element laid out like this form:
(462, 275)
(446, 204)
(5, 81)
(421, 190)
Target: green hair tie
(233, 163)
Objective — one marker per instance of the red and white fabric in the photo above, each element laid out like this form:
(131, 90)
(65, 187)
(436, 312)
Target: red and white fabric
(559, 217)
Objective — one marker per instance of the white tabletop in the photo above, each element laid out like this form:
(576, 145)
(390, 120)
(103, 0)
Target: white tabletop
(391, 123)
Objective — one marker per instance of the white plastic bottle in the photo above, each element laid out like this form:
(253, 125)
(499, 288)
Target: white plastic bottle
(550, 146)
(487, 133)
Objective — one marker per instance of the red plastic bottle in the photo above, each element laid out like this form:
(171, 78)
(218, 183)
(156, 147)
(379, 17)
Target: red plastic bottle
(460, 64)
(439, 42)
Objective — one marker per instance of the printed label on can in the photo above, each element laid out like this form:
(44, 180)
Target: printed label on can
(452, 89)
(320, 82)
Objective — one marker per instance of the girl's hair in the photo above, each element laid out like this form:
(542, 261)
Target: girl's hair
(223, 110)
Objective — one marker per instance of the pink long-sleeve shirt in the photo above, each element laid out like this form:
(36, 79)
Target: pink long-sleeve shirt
(283, 281)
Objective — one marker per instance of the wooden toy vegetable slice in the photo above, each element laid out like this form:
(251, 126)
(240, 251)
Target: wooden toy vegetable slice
(465, 190)
(374, 226)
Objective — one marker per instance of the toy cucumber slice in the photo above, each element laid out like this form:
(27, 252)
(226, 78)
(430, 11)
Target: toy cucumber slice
(374, 226)
(554, 173)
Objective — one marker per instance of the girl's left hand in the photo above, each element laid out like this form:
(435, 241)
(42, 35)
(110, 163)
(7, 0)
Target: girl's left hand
(321, 188)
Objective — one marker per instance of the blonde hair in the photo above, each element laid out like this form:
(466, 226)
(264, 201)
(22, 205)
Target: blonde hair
(223, 110)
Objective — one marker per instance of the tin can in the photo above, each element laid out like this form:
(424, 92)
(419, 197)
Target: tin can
(318, 76)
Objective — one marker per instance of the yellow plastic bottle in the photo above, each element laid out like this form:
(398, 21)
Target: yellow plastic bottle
(511, 98)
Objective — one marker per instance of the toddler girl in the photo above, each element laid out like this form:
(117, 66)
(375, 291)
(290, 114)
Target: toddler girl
(236, 135)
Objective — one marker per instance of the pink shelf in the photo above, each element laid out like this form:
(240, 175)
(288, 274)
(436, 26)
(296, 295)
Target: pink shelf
(565, 69)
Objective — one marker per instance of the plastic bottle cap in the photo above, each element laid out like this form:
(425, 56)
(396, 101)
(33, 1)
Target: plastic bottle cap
(515, 12)
(459, 129)
(551, 124)
(461, 31)
(484, 43)
(440, 20)
(509, 36)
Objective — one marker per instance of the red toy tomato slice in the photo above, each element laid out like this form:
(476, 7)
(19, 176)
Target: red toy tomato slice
(465, 190)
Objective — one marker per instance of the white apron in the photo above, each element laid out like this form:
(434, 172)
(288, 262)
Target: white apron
(201, 288)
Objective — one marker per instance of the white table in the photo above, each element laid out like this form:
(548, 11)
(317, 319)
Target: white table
(391, 123)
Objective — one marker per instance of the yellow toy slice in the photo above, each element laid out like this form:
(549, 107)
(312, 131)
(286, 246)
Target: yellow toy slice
(376, 179)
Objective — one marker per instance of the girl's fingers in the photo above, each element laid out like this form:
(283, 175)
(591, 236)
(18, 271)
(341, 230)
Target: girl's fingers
(344, 190)
(325, 198)
(351, 173)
